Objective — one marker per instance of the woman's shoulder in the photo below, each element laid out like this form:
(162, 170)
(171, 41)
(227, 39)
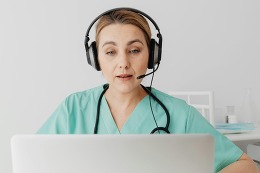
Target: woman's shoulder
(163, 96)
(86, 95)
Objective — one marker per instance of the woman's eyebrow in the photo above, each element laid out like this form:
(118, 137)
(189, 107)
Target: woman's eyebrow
(109, 42)
(129, 43)
(133, 41)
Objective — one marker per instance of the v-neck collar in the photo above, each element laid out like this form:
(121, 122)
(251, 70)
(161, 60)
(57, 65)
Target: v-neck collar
(106, 117)
(110, 124)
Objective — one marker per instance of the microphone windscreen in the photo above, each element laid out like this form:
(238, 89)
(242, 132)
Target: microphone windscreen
(141, 76)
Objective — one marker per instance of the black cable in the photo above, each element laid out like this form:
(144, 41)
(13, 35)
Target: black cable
(151, 83)
(164, 108)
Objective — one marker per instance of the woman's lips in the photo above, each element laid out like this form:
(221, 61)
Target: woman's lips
(124, 76)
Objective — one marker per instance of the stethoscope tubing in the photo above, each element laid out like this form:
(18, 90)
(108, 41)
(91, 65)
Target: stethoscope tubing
(166, 128)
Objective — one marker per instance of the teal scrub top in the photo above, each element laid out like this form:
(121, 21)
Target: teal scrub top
(77, 115)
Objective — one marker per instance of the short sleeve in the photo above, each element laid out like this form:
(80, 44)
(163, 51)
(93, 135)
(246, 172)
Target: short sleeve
(57, 123)
(226, 152)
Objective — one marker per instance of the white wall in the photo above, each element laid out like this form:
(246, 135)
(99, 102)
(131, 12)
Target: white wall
(208, 45)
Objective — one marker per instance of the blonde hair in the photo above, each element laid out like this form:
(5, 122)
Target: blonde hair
(124, 17)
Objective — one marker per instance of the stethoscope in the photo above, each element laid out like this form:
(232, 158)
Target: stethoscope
(165, 129)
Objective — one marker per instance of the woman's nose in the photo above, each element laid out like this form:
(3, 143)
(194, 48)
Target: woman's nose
(123, 61)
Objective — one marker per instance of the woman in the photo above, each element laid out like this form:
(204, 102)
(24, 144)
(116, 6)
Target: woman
(123, 39)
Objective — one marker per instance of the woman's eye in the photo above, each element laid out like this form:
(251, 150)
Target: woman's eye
(110, 52)
(134, 51)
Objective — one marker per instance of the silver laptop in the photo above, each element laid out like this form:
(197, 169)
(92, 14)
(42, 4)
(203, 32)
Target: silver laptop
(113, 153)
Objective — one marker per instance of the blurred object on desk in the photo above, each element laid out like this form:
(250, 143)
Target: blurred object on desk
(248, 112)
(235, 128)
(230, 115)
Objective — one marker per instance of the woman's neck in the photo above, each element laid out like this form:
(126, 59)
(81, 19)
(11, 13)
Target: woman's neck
(122, 105)
(113, 96)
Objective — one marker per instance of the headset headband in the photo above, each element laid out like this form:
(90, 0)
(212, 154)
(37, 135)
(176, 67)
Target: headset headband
(123, 8)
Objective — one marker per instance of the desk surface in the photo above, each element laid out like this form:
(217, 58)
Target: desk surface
(252, 135)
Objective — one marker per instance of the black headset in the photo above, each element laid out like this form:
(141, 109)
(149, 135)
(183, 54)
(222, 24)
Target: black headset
(155, 49)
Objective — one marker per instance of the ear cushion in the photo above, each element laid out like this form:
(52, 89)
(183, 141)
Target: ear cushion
(92, 56)
(153, 54)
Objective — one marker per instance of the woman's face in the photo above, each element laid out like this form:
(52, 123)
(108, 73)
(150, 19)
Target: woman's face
(123, 55)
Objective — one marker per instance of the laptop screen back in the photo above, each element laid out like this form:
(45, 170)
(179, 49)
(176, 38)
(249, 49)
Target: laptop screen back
(112, 153)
